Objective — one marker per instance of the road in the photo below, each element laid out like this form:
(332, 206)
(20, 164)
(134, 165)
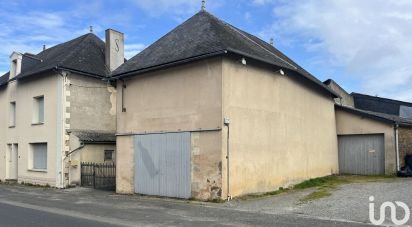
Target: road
(30, 206)
(18, 216)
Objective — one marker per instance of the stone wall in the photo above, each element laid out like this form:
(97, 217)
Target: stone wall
(405, 144)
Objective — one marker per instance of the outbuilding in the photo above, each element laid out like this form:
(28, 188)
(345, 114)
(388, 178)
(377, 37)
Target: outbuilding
(210, 111)
(371, 143)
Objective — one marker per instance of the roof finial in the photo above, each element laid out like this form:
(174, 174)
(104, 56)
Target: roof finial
(91, 29)
(271, 41)
(203, 5)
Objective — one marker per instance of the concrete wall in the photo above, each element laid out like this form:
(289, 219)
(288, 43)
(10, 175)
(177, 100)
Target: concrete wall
(405, 144)
(345, 99)
(92, 104)
(352, 124)
(282, 130)
(24, 133)
(186, 98)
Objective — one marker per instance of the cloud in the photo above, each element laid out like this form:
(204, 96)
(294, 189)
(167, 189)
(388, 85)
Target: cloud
(261, 2)
(175, 7)
(369, 39)
(131, 50)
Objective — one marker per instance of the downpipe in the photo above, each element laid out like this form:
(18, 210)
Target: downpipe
(397, 147)
(226, 122)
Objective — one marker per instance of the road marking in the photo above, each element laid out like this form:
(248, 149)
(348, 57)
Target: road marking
(112, 221)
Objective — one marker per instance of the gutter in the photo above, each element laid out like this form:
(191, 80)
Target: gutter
(167, 65)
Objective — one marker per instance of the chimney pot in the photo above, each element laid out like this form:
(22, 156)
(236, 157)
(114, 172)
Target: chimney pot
(44, 47)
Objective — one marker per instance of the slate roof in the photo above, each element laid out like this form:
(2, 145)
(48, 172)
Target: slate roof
(203, 36)
(388, 118)
(85, 55)
(4, 79)
(95, 136)
(378, 104)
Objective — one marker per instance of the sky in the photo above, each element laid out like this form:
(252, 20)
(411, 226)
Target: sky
(365, 46)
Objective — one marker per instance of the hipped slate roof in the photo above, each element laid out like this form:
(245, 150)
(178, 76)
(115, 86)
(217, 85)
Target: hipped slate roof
(378, 104)
(388, 118)
(4, 79)
(95, 136)
(84, 55)
(203, 36)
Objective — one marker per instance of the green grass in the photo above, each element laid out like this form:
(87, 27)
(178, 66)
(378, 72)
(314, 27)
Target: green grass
(322, 193)
(260, 195)
(323, 186)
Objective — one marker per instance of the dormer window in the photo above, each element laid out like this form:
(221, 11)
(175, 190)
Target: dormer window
(15, 67)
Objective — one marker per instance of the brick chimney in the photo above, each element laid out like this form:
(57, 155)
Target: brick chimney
(114, 49)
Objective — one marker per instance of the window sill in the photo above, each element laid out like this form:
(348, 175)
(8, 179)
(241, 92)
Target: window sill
(38, 170)
(34, 124)
(13, 126)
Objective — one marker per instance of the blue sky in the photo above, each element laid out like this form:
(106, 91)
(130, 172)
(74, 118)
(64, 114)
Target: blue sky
(364, 45)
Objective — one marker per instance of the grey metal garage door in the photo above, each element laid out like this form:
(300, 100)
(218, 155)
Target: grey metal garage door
(162, 164)
(361, 154)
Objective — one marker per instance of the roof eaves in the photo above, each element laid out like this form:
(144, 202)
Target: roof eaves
(373, 116)
(311, 78)
(363, 113)
(169, 64)
(82, 72)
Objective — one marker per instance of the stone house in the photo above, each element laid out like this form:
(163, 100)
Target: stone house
(52, 104)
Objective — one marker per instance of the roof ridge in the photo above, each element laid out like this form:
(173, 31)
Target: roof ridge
(242, 33)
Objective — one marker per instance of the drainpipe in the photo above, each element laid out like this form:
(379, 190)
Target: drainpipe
(70, 158)
(123, 87)
(226, 122)
(397, 146)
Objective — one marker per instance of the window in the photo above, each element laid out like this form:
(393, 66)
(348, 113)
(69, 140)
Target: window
(39, 156)
(12, 114)
(38, 110)
(13, 71)
(108, 155)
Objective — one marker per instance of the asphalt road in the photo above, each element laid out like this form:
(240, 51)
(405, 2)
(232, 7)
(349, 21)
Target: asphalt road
(29, 206)
(18, 216)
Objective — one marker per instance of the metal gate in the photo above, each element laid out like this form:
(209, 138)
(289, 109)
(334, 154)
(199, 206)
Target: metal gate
(98, 175)
(163, 164)
(362, 154)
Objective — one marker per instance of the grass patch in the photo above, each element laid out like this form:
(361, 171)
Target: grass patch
(260, 195)
(316, 195)
(217, 200)
(326, 184)
(323, 186)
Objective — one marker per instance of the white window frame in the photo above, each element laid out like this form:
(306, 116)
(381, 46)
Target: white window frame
(38, 110)
(12, 114)
(33, 159)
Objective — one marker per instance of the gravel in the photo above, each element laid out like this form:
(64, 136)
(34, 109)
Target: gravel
(348, 202)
